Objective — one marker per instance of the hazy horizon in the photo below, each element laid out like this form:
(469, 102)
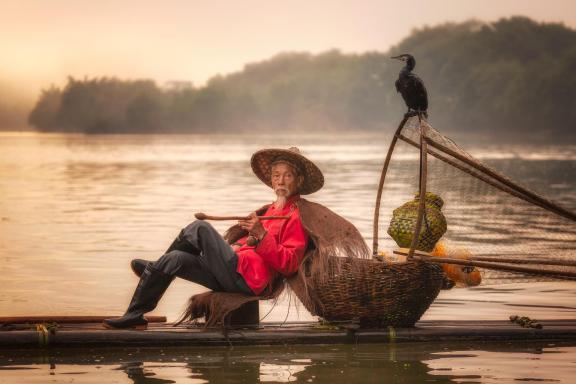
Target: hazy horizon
(45, 42)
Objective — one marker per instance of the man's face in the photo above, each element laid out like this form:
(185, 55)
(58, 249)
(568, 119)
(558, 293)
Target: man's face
(285, 181)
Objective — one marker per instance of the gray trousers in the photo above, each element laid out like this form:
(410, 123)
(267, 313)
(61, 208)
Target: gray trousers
(199, 254)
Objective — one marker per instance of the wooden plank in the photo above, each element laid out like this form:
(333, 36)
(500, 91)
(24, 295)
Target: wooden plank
(68, 319)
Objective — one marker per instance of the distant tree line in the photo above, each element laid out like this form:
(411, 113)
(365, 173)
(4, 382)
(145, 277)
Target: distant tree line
(514, 77)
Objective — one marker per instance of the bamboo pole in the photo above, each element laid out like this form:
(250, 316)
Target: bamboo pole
(381, 185)
(418, 255)
(510, 260)
(422, 184)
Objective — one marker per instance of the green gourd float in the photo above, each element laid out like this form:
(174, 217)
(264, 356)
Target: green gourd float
(433, 226)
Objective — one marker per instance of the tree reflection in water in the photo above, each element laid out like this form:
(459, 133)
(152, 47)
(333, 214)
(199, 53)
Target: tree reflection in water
(333, 364)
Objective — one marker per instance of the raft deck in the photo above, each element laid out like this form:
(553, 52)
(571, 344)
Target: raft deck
(164, 334)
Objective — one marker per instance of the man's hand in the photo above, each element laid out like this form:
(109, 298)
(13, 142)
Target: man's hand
(253, 226)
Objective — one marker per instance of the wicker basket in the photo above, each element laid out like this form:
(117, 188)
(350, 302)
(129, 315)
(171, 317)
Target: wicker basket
(374, 293)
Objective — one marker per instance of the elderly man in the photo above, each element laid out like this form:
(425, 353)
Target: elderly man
(270, 248)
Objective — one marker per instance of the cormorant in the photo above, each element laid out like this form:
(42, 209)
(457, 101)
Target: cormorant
(411, 87)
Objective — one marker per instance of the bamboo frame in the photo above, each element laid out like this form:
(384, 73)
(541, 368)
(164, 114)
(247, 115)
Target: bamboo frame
(484, 174)
(381, 185)
(422, 184)
(544, 203)
(479, 176)
(507, 187)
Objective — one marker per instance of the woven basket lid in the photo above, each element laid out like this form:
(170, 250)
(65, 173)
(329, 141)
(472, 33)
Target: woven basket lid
(263, 159)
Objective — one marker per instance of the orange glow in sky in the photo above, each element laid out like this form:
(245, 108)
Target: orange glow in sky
(43, 41)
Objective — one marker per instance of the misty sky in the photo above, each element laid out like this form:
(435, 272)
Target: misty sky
(43, 41)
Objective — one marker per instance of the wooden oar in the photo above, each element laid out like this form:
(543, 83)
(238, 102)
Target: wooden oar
(490, 265)
(203, 216)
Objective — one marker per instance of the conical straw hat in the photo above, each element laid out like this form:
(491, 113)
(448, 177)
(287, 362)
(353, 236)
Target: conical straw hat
(263, 160)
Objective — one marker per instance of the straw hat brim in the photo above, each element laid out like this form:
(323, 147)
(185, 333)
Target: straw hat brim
(262, 163)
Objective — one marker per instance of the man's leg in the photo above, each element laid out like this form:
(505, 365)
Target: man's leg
(152, 285)
(213, 264)
(138, 265)
(187, 266)
(154, 282)
(217, 255)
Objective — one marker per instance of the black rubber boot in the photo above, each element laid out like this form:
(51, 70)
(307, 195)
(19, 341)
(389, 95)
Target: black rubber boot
(138, 266)
(153, 283)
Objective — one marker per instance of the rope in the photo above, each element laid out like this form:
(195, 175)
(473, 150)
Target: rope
(43, 335)
(288, 311)
(271, 309)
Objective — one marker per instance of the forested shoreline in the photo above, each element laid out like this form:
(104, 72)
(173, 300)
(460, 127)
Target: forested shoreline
(513, 77)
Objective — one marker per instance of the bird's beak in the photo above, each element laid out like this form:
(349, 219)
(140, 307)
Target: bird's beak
(396, 57)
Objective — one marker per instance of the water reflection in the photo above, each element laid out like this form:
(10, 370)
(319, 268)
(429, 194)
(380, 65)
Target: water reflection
(402, 363)
(139, 374)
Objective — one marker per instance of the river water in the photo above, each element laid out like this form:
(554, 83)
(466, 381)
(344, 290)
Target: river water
(75, 209)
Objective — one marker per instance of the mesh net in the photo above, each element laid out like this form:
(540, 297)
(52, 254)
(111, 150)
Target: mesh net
(492, 217)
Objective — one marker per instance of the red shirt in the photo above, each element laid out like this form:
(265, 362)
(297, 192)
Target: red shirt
(279, 252)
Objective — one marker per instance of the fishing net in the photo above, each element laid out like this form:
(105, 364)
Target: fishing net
(490, 217)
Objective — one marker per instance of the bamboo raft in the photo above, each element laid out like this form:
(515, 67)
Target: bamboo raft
(91, 334)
